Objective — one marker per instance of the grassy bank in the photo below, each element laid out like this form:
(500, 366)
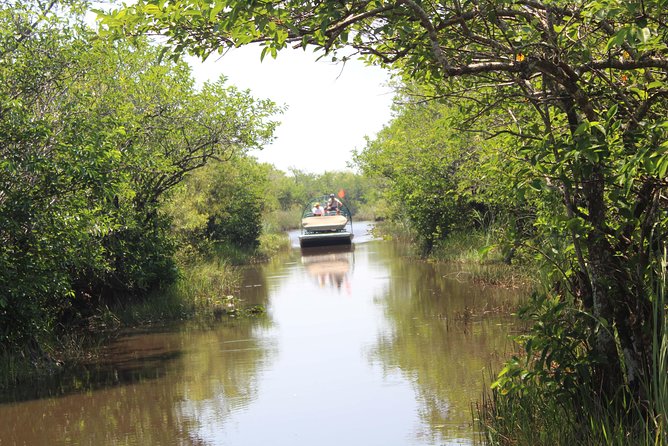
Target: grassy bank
(207, 289)
(280, 220)
(485, 262)
(208, 286)
(203, 290)
(478, 248)
(550, 380)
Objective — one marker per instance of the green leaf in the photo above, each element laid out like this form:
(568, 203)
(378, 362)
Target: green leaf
(485, 250)
(590, 155)
(219, 5)
(612, 111)
(642, 94)
(599, 128)
(617, 40)
(264, 52)
(582, 129)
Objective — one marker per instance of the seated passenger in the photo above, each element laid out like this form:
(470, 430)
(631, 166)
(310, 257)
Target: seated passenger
(333, 204)
(317, 210)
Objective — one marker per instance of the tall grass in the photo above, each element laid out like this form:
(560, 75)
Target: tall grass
(273, 243)
(475, 246)
(470, 246)
(484, 260)
(203, 290)
(396, 230)
(512, 419)
(207, 286)
(533, 412)
(658, 387)
(279, 220)
(367, 212)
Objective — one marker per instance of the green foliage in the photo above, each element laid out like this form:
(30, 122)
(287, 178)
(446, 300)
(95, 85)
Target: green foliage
(553, 380)
(222, 203)
(93, 136)
(556, 351)
(657, 383)
(430, 170)
(50, 170)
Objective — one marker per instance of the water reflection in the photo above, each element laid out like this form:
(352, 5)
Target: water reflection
(360, 346)
(435, 345)
(151, 388)
(330, 265)
(125, 369)
(224, 379)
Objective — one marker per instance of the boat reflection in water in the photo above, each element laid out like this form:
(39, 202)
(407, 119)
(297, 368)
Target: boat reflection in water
(330, 265)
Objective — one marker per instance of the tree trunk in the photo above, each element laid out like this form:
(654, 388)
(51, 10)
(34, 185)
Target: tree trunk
(613, 295)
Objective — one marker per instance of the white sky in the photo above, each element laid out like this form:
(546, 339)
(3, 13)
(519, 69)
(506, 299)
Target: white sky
(331, 107)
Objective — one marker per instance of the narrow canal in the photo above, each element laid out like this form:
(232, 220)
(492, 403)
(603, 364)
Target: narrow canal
(360, 346)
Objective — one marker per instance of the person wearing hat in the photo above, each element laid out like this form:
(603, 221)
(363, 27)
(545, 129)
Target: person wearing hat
(333, 204)
(317, 210)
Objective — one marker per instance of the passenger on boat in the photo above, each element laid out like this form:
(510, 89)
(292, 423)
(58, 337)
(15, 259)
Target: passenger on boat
(333, 204)
(317, 210)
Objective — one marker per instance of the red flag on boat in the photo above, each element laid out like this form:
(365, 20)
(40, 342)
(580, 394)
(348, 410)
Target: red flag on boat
(342, 193)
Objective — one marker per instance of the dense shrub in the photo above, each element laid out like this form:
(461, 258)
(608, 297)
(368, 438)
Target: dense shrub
(93, 136)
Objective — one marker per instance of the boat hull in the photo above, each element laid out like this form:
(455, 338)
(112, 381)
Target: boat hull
(325, 238)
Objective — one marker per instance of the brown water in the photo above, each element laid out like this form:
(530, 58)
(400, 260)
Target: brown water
(359, 347)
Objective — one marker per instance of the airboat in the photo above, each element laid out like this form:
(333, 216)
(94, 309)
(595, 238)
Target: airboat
(331, 228)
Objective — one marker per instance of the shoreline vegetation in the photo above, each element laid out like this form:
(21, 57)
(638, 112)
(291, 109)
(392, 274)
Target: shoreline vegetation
(205, 291)
(485, 262)
(524, 396)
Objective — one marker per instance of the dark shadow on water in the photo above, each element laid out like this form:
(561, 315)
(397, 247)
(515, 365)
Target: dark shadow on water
(324, 250)
(117, 366)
